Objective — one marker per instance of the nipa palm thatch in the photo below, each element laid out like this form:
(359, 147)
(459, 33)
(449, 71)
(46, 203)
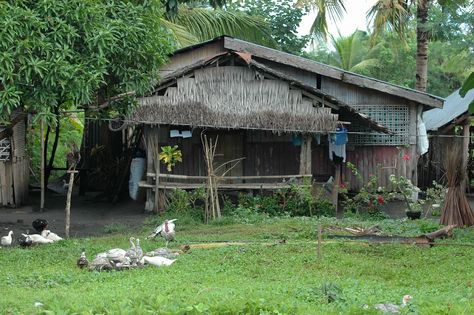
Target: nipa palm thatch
(235, 98)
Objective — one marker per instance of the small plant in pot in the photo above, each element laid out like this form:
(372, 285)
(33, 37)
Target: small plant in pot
(409, 193)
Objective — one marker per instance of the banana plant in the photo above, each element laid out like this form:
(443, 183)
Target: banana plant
(170, 155)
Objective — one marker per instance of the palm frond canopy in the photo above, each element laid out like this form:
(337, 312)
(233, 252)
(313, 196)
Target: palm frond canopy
(389, 15)
(195, 24)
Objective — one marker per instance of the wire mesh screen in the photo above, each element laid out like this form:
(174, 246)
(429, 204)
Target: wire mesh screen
(4, 150)
(394, 117)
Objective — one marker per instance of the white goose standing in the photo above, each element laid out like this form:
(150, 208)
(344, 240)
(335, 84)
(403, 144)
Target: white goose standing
(165, 230)
(7, 240)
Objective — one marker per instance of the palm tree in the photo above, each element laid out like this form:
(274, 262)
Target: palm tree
(385, 14)
(352, 53)
(195, 22)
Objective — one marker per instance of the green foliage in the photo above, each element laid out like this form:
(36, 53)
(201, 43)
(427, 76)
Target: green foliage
(436, 195)
(70, 132)
(370, 196)
(56, 52)
(294, 201)
(170, 155)
(404, 186)
(283, 18)
(467, 85)
(385, 59)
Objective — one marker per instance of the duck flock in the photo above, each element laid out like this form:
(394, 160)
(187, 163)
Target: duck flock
(112, 259)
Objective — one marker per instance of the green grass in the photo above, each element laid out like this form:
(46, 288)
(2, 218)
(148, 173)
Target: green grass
(256, 278)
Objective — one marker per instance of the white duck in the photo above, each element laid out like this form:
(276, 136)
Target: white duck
(157, 261)
(51, 236)
(7, 240)
(37, 239)
(165, 230)
(392, 308)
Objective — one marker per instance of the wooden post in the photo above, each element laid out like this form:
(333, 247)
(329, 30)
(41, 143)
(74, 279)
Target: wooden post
(149, 168)
(68, 202)
(305, 155)
(319, 241)
(336, 184)
(157, 182)
(42, 166)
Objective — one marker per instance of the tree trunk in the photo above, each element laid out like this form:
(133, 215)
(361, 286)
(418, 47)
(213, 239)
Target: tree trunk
(422, 37)
(55, 146)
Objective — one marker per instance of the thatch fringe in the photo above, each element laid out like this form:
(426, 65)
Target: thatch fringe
(235, 97)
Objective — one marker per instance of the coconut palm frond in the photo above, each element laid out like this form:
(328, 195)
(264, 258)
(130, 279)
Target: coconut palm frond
(365, 65)
(181, 35)
(206, 23)
(389, 15)
(327, 9)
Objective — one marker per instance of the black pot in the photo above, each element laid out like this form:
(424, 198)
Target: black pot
(413, 215)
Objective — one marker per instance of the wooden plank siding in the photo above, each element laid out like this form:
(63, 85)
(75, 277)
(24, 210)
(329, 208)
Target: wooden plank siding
(271, 154)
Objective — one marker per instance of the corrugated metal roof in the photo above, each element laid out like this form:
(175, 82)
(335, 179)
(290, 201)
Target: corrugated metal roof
(298, 62)
(454, 106)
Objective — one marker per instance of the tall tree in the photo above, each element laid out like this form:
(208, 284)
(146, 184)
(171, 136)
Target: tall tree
(60, 53)
(392, 15)
(283, 18)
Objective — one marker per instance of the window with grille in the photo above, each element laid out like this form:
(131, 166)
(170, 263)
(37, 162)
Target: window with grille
(395, 117)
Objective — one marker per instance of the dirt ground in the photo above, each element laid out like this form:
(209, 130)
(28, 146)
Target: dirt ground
(88, 216)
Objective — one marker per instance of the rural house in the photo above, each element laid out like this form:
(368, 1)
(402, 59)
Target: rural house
(281, 113)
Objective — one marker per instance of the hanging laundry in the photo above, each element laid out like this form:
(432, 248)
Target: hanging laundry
(297, 140)
(337, 152)
(341, 135)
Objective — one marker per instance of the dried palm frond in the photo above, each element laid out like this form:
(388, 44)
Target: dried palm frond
(457, 210)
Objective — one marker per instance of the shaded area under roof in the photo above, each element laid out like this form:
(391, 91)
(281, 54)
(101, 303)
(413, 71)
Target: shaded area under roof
(454, 106)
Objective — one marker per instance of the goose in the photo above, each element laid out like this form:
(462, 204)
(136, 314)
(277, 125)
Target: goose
(138, 249)
(157, 261)
(165, 230)
(82, 261)
(7, 240)
(38, 239)
(100, 264)
(392, 308)
(51, 236)
(115, 255)
(163, 252)
(132, 253)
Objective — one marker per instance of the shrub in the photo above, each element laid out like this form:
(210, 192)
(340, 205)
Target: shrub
(370, 196)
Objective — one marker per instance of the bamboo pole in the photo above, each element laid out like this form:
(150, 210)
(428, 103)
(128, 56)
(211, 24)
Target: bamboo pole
(157, 183)
(42, 166)
(68, 202)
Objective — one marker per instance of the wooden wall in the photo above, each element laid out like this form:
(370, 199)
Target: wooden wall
(271, 154)
(14, 173)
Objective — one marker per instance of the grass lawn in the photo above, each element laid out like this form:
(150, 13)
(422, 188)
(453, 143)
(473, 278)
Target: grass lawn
(260, 277)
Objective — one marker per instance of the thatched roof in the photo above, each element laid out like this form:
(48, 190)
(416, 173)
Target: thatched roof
(235, 98)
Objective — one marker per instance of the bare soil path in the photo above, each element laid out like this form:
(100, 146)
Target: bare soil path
(88, 216)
